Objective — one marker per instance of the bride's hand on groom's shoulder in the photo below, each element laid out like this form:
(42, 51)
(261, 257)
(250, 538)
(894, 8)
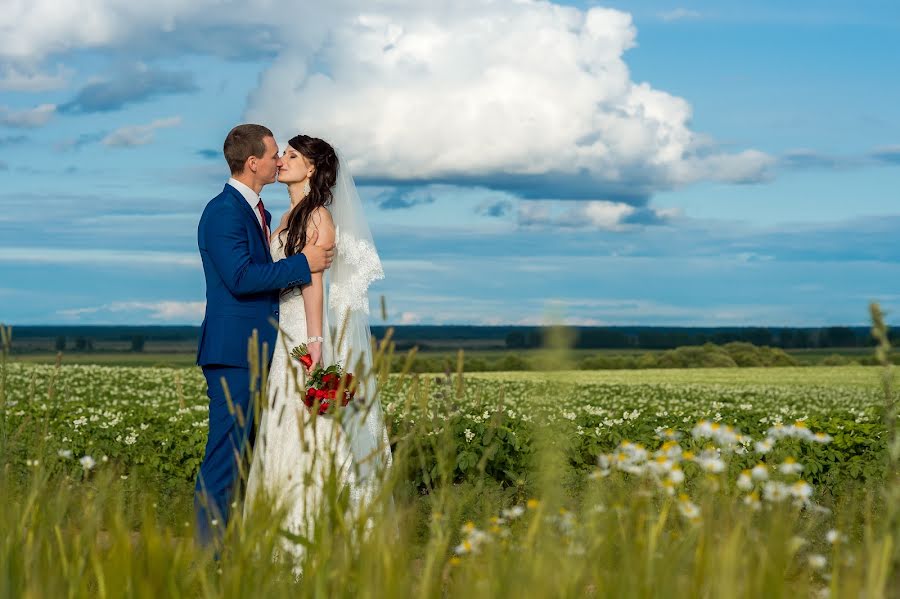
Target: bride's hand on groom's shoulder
(318, 257)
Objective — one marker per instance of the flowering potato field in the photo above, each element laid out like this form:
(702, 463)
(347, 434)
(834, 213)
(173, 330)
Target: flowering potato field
(154, 420)
(706, 483)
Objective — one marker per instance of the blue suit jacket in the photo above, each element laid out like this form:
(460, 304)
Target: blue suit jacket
(242, 282)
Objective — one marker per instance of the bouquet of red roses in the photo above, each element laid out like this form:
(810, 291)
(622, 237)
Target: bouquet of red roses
(323, 384)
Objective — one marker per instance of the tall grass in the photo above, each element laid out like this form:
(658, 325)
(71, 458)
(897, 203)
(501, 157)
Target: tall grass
(555, 533)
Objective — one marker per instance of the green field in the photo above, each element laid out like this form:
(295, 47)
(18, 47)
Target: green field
(527, 484)
(183, 355)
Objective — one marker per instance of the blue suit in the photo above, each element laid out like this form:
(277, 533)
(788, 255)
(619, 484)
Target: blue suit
(242, 288)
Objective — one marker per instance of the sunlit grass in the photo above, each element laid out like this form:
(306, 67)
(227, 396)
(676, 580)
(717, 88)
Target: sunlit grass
(558, 530)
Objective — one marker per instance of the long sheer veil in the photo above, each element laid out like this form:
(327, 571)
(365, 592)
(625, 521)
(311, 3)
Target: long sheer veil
(356, 265)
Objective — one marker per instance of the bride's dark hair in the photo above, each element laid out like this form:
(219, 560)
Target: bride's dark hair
(325, 160)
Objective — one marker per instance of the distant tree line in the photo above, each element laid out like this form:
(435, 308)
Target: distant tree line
(665, 338)
(83, 338)
(82, 343)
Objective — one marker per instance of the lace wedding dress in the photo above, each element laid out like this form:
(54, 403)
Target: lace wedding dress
(297, 455)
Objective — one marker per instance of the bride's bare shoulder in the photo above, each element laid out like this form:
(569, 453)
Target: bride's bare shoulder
(321, 216)
(320, 220)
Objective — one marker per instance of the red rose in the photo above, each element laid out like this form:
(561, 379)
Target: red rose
(306, 360)
(330, 380)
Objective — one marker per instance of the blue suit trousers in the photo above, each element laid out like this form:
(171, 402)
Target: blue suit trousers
(227, 449)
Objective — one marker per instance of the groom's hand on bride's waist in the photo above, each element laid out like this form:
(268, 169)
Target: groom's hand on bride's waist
(318, 257)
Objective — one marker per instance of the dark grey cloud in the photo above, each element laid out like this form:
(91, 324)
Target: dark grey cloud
(12, 140)
(647, 217)
(814, 160)
(557, 186)
(889, 155)
(79, 142)
(808, 159)
(494, 208)
(135, 84)
(230, 42)
(30, 118)
(403, 199)
(209, 154)
(863, 240)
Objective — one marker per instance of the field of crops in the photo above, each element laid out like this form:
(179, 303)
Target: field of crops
(155, 419)
(704, 482)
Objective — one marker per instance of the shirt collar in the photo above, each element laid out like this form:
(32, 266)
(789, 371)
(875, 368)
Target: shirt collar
(249, 195)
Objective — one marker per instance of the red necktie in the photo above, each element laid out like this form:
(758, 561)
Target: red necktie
(262, 214)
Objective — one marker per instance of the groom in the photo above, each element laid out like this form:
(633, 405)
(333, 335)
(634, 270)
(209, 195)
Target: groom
(242, 288)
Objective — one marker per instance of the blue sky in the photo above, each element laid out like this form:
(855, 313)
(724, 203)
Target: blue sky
(643, 162)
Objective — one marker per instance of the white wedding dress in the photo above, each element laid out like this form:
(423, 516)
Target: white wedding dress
(296, 455)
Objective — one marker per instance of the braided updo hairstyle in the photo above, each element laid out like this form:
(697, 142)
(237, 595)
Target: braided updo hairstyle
(323, 157)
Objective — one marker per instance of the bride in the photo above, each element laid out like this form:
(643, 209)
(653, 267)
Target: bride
(297, 455)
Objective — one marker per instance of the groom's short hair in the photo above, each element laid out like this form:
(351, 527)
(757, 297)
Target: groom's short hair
(243, 142)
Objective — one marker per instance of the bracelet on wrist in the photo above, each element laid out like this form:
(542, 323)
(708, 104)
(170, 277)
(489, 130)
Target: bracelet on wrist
(315, 339)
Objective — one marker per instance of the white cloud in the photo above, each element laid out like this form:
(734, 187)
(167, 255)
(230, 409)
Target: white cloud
(20, 255)
(139, 135)
(679, 14)
(166, 311)
(497, 93)
(27, 119)
(22, 79)
(601, 215)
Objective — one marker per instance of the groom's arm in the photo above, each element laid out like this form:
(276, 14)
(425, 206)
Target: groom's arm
(225, 240)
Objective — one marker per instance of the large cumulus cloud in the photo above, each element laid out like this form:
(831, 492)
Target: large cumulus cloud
(530, 97)
(524, 96)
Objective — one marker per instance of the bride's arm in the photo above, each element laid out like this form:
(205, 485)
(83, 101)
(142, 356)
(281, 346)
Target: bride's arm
(313, 294)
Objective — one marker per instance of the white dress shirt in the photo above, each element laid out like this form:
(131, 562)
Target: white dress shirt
(251, 197)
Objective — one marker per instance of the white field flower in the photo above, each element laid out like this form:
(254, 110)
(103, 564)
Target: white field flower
(817, 561)
(790, 466)
(723, 435)
(660, 466)
(631, 458)
(668, 434)
(752, 500)
(670, 449)
(776, 491)
(676, 475)
(87, 462)
(514, 512)
(469, 435)
(835, 536)
(745, 481)
(463, 548)
(710, 461)
(65, 453)
(760, 472)
(764, 446)
(688, 508)
(801, 491)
